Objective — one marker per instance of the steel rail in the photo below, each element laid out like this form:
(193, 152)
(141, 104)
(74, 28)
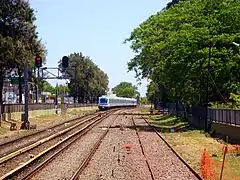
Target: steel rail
(139, 140)
(53, 156)
(21, 167)
(180, 158)
(38, 143)
(89, 155)
(45, 129)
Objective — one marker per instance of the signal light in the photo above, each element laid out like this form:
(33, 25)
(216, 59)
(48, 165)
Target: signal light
(65, 60)
(38, 61)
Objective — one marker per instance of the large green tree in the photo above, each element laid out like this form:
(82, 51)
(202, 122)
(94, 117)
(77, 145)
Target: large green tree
(88, 81)
(126, 89)
(45, 86)
(144, 100)
(174, 46)
(18, 37)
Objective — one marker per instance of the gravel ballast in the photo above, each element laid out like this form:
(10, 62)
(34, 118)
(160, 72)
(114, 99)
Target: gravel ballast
(46, 131)
(163, 162)
(113, 161)
(24, 157)
(64, 165)
(120, 154)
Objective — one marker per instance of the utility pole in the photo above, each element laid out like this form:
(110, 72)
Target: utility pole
(25, 124)
(38, 64)
(56, 100)
(207, 84)
(37, 91)
(207, 89)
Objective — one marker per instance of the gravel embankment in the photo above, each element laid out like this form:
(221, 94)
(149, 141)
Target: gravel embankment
(163, 162)
(64, 166)
(113, 161)
(20, 159)
(25, 141)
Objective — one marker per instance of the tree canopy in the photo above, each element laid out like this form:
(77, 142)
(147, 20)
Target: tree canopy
(144, 100)
(88, 81)
(126, 89)
(174, 46)
(19, 41)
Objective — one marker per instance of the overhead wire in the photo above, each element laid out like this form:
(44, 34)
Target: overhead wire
(217, 87)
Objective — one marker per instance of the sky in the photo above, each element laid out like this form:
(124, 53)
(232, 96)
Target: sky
(95, 28)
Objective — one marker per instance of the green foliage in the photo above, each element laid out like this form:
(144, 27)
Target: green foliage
(45, 86)
(228, 105)
(18, 37)
(172, 49)
(144, 100)
(126, 89)
(151, 91)
(236, 99)
(89, 81)
(62, 87)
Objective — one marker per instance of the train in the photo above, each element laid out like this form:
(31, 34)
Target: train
(106, 102)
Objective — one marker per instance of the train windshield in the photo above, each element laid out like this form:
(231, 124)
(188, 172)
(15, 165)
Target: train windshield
(103, 101)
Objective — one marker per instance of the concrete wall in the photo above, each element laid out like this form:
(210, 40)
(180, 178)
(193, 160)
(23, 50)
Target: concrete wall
(223, 130)
(220, 130)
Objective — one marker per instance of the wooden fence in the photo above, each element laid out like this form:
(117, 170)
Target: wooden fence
(10, 108)
(198, 114)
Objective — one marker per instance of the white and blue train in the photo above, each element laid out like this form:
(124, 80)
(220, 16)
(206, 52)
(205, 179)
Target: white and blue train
(107, 102)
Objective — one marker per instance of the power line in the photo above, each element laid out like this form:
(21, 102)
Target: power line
(217, 87)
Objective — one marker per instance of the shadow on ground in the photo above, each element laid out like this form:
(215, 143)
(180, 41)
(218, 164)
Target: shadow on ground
(169, 124)
(147, 128)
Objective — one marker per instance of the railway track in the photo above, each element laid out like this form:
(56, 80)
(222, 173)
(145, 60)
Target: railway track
(169, 146)
(140, 142)
(64, 142)
(14, 144)
(90, 154)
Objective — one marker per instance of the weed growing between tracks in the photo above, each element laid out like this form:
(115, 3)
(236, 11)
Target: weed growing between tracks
(190, 143)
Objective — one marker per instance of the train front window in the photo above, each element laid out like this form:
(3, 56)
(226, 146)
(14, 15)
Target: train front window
(103, 101)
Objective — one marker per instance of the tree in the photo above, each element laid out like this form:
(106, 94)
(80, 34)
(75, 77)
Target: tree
(173, 47)
(45, 86)
(172, 3)
(18, 37)
(61, 87)
(125, 89)
(89, 80)
(144, 100)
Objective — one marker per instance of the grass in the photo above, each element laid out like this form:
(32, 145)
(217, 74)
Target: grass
(168, 122)
(146, 110)
(3, 130)
(42, 118)
(191, 143)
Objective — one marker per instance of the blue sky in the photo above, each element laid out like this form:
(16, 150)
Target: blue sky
(95, 28)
